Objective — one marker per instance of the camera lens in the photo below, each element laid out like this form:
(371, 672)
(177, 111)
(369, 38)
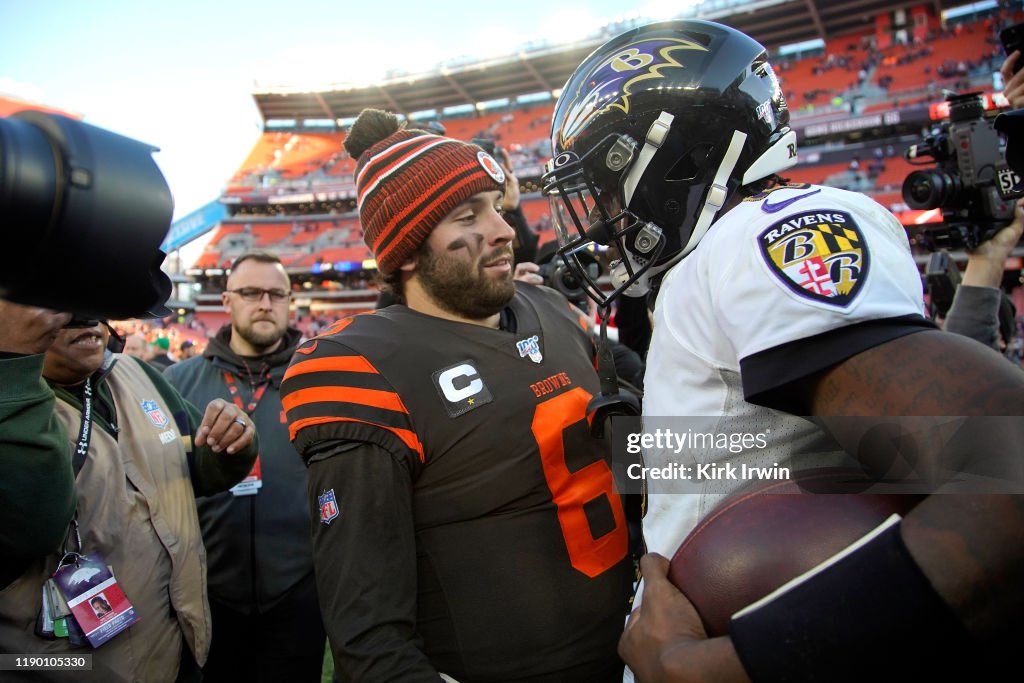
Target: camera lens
(931, 189)
(28, 174)
(967, 107)
(569, 283)
(85, 212)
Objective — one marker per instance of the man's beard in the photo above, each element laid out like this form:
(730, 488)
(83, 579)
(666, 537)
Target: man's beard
(264, 341)
(463, 288)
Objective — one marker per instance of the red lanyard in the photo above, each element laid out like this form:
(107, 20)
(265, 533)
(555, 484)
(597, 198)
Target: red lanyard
(229, 379)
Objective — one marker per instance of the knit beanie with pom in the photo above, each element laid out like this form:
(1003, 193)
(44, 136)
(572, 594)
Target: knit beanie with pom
(408, 180)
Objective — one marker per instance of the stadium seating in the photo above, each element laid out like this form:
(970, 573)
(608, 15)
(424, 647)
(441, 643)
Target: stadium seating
(844, 77)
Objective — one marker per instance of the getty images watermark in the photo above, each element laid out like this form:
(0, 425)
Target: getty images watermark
(914, 455)
(669, 441)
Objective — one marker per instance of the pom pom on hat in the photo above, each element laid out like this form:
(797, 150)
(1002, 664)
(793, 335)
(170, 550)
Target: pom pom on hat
(407, 181)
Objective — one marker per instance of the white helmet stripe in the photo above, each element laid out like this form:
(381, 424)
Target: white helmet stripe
(656, 135)
(718, 192)
(713, 202)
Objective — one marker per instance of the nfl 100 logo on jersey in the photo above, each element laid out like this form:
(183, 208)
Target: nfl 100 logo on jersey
(819, 255)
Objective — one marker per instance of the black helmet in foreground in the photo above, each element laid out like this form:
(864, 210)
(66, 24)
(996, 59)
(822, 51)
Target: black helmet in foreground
(652, 135)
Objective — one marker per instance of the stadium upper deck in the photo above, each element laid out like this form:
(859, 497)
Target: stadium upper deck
(837, 94)
(546, 67)
(856, 107)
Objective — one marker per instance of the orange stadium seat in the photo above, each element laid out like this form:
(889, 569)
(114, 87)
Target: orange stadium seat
(211, 256)
(269, 234)
(971, 44)
(260, 158)
(290, 155)
(305, 162)
(527, 126)
(813, 174)
(469, 127)
(798, 77)
(309, 231)
(896, 170)
(208, 259)
(535, 210)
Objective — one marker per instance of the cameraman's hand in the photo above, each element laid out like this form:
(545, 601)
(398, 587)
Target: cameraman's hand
(28, 329)
(224, 427)
(529, 273)
(511, 200)
(985, 263)
(1013, 84)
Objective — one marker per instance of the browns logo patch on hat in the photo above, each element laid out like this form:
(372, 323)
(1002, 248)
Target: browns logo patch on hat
(818, 255)
(492, 167)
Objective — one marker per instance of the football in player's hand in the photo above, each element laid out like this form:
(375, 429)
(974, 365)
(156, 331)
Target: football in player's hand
(762, 536)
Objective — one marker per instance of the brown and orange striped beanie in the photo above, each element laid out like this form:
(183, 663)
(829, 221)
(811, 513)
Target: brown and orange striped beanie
(408, 180)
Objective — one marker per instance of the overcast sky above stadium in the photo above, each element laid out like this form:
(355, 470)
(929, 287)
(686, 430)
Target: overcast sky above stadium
(179, 75)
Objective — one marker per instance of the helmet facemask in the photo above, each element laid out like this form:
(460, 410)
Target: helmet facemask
(586, 217)
(684, 199)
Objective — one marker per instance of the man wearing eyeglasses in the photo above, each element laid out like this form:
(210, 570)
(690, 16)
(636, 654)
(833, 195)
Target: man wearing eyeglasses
(266, 616)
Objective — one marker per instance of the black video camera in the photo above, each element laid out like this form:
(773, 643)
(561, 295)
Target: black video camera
(941, 277)
(559, 277)
(83, 212)
(489, 146)
(971, 182)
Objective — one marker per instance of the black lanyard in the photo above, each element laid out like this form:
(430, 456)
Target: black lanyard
(78, 461)
(85, 433)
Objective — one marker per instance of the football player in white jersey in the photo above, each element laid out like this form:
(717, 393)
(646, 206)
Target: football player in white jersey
(777, 303)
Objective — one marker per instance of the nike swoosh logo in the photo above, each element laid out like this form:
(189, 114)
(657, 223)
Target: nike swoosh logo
(308, 350)
(768, 207)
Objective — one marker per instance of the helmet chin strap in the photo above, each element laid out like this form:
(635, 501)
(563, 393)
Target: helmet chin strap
(656, 135)
(611, 400)
(717, 194)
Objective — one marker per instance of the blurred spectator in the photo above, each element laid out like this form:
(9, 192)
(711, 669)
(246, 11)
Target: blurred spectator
(160, 353)
(186, 350)
(135, 345)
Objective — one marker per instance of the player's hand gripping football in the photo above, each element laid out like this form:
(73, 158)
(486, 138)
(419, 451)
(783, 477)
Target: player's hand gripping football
(664, 640)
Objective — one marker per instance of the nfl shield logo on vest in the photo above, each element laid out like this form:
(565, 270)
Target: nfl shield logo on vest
(155, 415)
(328, 506)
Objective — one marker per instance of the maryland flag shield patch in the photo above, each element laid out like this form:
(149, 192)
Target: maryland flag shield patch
(819, 255)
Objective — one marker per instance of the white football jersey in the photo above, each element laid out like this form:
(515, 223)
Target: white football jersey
(790, 263)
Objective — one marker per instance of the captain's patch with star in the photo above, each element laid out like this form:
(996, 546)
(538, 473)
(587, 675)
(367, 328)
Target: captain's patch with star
(818, 255)
(461, 387)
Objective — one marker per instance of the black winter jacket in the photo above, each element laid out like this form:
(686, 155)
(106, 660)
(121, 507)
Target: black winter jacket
(258, 546)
